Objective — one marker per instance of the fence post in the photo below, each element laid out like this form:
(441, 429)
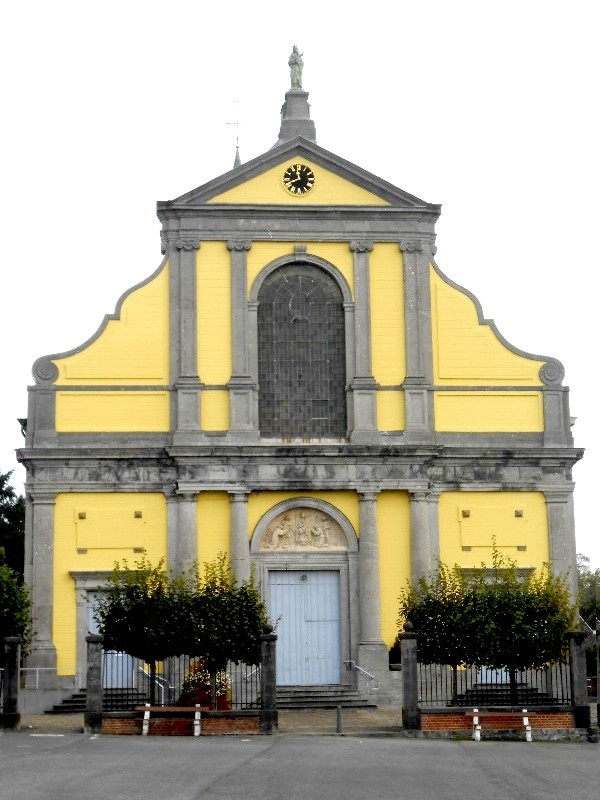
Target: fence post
(93, 702)
(268, 683)
(411, 717)
(579, 692)
(10, 716)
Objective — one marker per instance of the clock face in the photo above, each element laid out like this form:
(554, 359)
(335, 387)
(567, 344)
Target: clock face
(298, 179)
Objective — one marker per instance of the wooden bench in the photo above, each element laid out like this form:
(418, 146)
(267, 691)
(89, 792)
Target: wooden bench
(507, 717)
(157, 710)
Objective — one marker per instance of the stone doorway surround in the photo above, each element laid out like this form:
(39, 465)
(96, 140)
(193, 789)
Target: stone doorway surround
(305, 534)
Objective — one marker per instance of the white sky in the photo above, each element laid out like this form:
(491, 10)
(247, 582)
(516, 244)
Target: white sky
(488, 108)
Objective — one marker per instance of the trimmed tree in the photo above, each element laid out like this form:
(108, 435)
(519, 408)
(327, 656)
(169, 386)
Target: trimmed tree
(498, 617)
(153, 615)
(15, 609)
(12, 525)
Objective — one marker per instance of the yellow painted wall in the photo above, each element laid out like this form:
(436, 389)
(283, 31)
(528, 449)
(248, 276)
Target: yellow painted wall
(481, 412)
(131, 350)
(329, 189)
(336, 253)
(112, 411)
(109, 532)
(467, 353)
(214, 410)
(475, 519)
(387, 314)
(213, 286)
(393, 522)
(213, 523)
(390, 411)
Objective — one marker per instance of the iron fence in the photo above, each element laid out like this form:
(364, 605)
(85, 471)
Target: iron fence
(182, 680)
(443, 685)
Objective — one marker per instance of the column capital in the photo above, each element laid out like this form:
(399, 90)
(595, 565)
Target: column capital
(239, 495)
(186, 495)
(188, 243)
(411, 246)
(42, 497)
(558, 495)
(239, 245)
(361, 245)
(366, 495)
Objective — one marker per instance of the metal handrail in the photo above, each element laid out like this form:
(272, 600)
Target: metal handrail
(160, 682)
(357, 668)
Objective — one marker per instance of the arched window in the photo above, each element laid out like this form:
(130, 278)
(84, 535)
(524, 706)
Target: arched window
(301, 354)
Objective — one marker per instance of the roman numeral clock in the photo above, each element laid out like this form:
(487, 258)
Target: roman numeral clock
(298, 179)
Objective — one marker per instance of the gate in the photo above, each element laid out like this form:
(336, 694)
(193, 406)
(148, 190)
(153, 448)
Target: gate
(306, 606)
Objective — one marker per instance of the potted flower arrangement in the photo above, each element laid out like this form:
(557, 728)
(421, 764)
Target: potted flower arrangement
(198, 686)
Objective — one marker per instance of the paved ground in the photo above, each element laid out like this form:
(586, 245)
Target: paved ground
(69, 766)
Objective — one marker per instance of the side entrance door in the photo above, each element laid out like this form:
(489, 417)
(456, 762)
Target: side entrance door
(118, 668)
(306, 608)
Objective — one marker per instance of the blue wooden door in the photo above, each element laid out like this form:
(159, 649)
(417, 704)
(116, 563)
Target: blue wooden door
(118, 669)
(306, 606)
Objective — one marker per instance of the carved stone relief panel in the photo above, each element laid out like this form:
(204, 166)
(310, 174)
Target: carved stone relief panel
(303, 529)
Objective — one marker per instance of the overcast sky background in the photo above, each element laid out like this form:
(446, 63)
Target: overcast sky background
(488, 108)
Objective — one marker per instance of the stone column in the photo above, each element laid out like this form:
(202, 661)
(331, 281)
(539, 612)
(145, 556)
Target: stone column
(420, 540)
(172, 526)
(42, 651)
(368, 570)
(184, 350)
(561, 534)
(372, 651)
(9, 713)
(419, 350)
(243, 424)
(433, 505)
(93, 702)
(239, 545)
(363, 383)
(187, 532)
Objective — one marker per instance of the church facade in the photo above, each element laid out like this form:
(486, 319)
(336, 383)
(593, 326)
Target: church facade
(300, 386)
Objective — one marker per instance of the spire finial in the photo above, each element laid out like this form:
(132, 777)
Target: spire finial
(237, 160)
(296, 64)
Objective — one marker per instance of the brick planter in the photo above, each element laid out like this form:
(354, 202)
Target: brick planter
(176, 723)
(455, 720)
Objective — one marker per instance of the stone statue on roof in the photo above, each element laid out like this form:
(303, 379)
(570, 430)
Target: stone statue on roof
(295, 63)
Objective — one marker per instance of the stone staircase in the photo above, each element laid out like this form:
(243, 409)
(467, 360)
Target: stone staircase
(320, 697)
(114, 699)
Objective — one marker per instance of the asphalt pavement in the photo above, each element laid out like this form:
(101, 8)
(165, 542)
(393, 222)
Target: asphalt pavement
(74, 766)
(51, 757)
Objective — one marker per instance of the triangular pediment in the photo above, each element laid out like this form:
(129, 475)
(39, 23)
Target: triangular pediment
(337, 183)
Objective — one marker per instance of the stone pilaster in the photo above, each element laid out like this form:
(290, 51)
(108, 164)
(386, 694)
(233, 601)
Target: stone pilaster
(433, 506)
(420, 539)
(187, 536)
(419, 354)
(239, 544)
(561, 534)
(372, 651)
(42, 651)
(363, 383)
(183, 353)
(243, 389)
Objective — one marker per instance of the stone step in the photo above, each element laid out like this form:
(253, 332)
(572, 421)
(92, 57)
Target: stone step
(320, 697)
